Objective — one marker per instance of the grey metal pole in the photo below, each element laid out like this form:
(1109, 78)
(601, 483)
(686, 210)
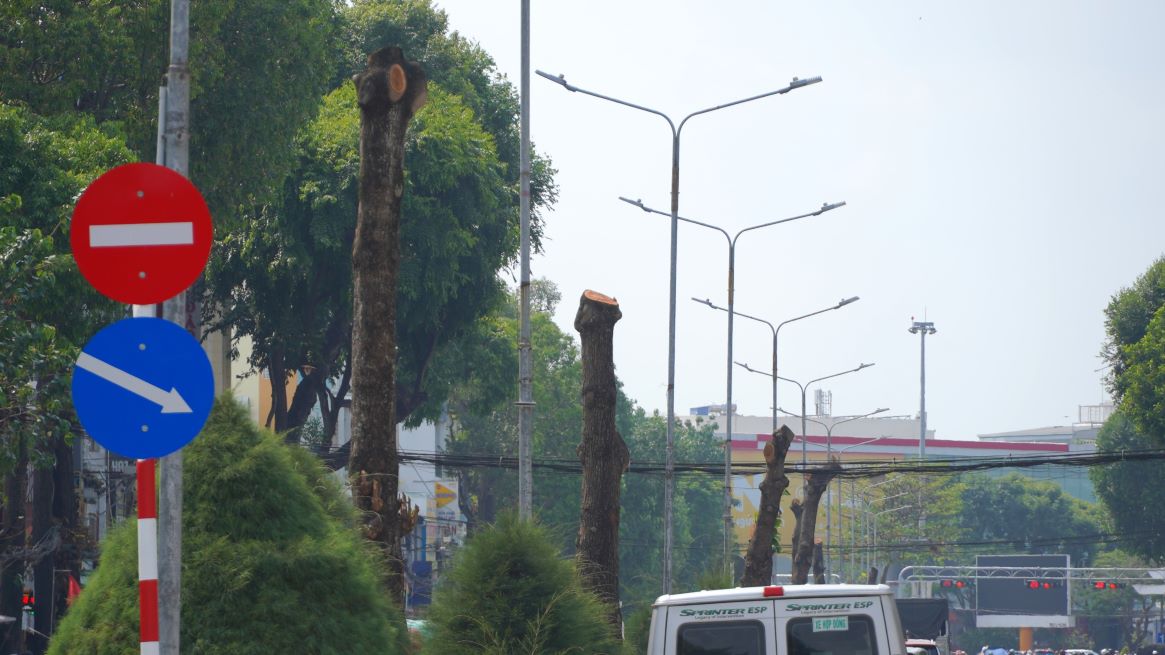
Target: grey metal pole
(525, 355)
(922, 328)
(670, 454)
(728, 435)
(922, 401)
(177, 137)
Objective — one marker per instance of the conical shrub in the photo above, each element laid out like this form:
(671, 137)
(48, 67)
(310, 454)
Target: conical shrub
(510, 592)
(272, 561)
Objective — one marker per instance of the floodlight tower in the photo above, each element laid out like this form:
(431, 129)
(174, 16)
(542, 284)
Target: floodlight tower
(922, 328)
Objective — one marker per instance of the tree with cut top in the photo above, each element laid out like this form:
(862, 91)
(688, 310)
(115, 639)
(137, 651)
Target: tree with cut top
(758, 560)
(602, 452)
(389, 92)
(816, 484)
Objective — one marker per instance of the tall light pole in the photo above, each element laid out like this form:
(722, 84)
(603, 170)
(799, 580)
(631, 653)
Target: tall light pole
(828, 453)
(922, 328)
(676, 129)
(776, 331)
(731, 242)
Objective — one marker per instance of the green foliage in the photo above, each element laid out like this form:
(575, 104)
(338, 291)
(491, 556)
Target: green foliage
(511, 592)
(698, 531)
(1143, 380)
(1129, 490)
(1135, 351)
(272, 560)
(284, 278)
(46, 309)
(257, 71)
(1126, 321)
(1026, 515)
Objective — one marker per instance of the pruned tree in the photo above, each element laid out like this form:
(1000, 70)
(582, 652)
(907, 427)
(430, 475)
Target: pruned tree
(389, 91)
(818, 562)
(602, 452)
(815, 485)
(758, 560)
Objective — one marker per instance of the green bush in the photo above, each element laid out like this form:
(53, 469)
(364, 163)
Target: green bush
(511, 593)
(272, 562)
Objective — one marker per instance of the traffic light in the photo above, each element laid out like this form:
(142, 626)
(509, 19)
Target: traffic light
(28, 599)
(1106, 584)
(954, 583)
(1040, 584)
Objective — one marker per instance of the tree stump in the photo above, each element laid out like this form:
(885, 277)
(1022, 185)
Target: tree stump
(758, 560)
(603, 453)
(389, 91)
(816, 484)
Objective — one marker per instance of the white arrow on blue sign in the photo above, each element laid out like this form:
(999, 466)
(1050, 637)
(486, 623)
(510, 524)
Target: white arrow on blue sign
(143, 387)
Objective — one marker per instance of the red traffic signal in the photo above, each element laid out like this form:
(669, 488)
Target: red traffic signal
(1040, 584)
(27, 598)
(954, 584)
(1104, 584)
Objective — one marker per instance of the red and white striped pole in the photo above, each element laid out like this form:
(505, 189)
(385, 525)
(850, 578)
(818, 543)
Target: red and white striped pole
(148, 555)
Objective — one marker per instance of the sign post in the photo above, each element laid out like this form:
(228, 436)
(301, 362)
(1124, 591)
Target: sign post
(143, 387)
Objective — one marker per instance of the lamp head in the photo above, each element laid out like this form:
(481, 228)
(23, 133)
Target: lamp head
(798, 83)
(559, 79)
(845, 301)
(863, 365)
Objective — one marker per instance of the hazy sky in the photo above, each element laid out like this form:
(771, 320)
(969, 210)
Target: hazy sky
(998, 160)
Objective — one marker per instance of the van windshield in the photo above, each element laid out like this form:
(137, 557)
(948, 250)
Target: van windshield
(722, 638)
(832, 635)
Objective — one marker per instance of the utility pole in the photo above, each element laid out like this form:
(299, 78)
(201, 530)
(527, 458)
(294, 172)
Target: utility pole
(525, 356)
(176, 137)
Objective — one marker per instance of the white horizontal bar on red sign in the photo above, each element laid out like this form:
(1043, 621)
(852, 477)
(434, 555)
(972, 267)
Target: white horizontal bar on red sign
(120, 235)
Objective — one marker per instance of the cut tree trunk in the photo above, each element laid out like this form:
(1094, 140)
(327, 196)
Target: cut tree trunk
(603, 453)
(389, 91)
(818, 562)
(816, 484)
(796, 507)
(758, 561)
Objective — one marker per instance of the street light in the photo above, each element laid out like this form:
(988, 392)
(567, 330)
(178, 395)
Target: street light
(804, 388)
(828, 453)
(731, 240)
(776, 331)
(669, 462)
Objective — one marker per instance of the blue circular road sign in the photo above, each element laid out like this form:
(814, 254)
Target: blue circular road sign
(143, 387)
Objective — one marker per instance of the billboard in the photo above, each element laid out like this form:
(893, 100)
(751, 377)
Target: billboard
(1022, 591)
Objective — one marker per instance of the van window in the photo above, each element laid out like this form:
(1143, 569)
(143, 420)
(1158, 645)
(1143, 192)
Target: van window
(832, 635)
(723, 638)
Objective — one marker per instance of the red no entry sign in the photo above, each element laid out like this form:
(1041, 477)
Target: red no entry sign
(141, 233)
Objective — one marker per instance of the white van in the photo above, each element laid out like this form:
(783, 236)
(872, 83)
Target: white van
(835, 619)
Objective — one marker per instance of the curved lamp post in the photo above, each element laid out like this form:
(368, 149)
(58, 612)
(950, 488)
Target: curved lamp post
(776, 331)
(804, 388)
(676, 129)
(731, 241)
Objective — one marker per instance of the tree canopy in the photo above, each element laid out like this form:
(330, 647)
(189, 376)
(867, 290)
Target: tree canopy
(1135, 351)
(47, 311)
(284, 278)
(285, 571)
